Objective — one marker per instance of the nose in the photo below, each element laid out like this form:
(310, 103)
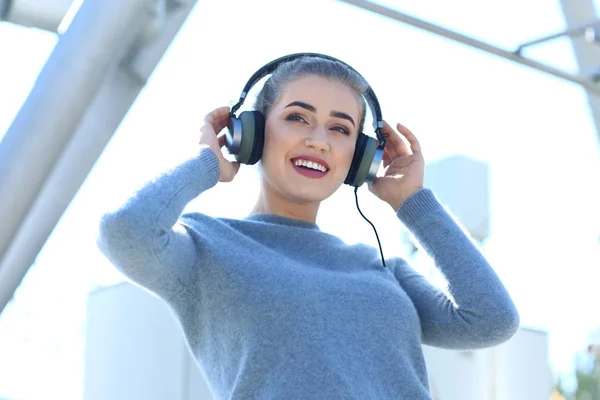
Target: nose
(318, 140)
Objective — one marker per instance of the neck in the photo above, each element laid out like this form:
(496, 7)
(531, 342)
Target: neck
(272, 202)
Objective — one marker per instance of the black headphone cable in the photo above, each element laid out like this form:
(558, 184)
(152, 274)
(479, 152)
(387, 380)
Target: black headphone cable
(373, 226)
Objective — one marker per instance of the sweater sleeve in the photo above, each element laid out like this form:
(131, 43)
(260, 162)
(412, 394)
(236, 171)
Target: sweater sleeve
(143, 238)
(479, 312)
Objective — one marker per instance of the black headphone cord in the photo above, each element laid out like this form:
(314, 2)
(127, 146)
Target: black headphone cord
(373, 226)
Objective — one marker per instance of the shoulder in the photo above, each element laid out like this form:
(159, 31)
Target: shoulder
(195, 218)
(201, 223)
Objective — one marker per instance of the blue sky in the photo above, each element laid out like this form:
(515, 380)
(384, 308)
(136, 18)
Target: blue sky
(533, 130)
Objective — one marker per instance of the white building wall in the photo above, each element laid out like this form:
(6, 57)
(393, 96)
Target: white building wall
(457, 375)
(515, 370)
(135, 349)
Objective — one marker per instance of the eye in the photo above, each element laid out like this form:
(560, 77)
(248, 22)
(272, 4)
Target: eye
(341, 129)
(295, 117)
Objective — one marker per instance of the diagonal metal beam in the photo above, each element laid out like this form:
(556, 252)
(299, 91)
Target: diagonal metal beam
(81, 96)
(478, 44)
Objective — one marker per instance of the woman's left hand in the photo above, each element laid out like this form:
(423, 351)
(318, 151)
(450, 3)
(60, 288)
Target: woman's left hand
(404, 167)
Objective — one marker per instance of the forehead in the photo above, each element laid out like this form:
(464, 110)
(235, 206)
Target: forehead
(324, 94)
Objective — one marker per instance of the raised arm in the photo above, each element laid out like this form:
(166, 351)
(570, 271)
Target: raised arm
(143, 238)
(480, 312)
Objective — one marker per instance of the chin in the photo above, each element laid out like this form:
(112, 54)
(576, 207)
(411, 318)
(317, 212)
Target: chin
(303, 192)
(308, 194)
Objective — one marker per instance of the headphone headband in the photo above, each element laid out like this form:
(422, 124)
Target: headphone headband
(273, 65)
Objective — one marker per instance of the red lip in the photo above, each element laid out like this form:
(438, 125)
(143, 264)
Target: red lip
(308, 157)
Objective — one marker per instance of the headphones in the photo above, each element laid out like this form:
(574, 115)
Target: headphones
(245, 134)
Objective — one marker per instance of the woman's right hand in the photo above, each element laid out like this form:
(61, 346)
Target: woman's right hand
(215, 122)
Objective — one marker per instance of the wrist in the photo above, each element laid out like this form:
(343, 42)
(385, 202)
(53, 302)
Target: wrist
(397, 203)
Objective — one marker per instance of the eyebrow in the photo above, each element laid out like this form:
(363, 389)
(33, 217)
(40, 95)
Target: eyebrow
(337, 114)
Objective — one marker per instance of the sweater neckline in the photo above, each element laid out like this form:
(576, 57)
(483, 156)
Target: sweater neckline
(283, 221)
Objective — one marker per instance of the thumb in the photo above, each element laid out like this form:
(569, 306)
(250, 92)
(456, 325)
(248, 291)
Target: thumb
(372, 186)
(236, 167)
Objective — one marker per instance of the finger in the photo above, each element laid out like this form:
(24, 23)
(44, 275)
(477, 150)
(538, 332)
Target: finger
(415, 146)
(218, 112)
(389, 149)
(397, 146)
(221, 139)
(207, 128)
(387, 159)
(218, 118)
(403, 162)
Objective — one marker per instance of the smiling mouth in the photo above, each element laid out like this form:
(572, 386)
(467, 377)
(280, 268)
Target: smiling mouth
(309, 169)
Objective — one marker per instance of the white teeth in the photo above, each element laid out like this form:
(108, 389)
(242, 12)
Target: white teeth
(310, 164)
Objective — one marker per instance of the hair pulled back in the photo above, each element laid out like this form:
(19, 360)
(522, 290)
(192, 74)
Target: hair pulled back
(308, 66)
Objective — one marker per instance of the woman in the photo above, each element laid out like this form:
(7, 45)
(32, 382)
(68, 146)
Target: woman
(274, 308)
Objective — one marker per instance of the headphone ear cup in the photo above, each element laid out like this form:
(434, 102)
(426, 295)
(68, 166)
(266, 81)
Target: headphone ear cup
(252, 137)
(259, 137)
(356, 159)
(363, 161)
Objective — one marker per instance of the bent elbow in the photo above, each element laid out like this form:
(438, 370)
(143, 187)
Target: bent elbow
(513, 322)
(500, 328)
(119, 234)
(113, 227)
(473, 333)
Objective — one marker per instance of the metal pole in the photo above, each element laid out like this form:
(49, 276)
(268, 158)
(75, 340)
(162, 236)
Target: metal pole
(41, 14)
(586, 54)
(509, 55)
(93, 44)
(578, 31)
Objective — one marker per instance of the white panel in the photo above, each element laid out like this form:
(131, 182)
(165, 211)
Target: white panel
(136, 349)
(523, 369)
(457, 375)
(516, 370)
(461, 184)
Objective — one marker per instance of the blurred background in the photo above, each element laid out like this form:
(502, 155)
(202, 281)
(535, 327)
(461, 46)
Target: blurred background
(99, 96)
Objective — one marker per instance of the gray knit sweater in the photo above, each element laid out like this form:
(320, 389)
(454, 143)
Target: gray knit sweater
(274, 308)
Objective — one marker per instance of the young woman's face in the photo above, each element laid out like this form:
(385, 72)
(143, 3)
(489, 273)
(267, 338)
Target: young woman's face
(310, 135)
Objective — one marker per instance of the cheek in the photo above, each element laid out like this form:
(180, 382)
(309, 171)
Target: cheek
(345, 154)
(276, 143)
